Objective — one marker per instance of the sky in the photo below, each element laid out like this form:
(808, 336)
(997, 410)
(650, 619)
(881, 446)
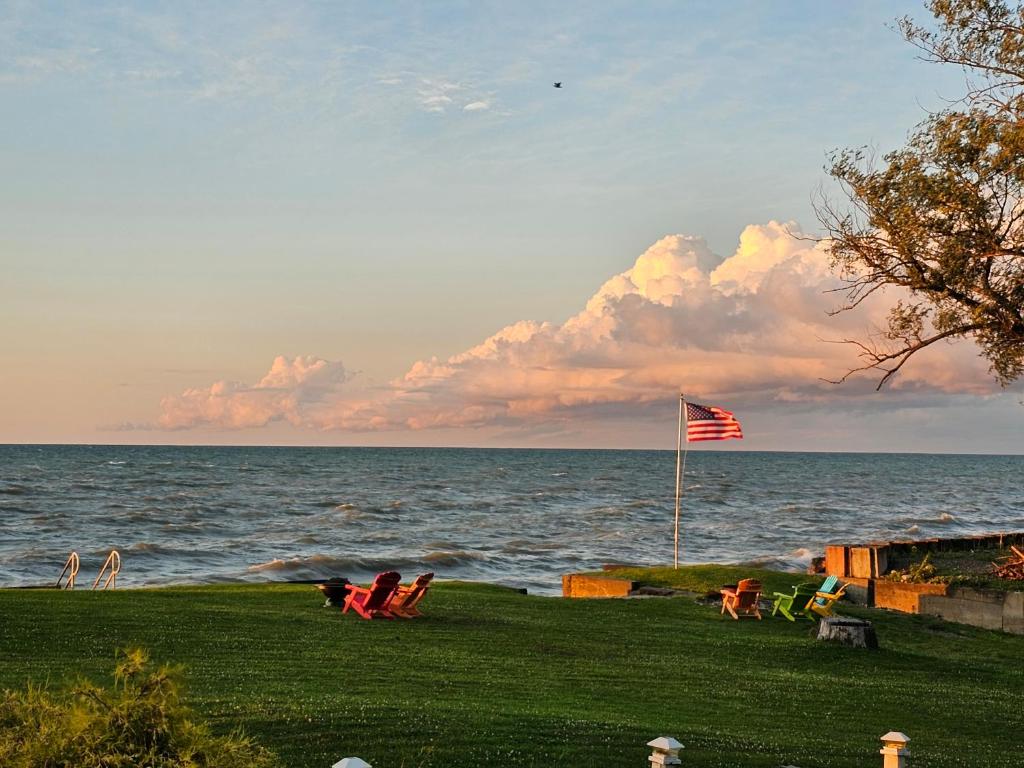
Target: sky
(379, 224)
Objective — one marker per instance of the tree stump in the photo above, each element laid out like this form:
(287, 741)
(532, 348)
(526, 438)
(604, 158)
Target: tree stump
(856, 633)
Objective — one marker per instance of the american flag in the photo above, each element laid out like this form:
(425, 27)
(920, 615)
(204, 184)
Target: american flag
(705, 422)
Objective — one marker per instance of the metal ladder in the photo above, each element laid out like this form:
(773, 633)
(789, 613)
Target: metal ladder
(71, 570)
(111, 567)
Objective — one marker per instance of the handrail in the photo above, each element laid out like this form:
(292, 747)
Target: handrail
(113, 562)
(71, 566)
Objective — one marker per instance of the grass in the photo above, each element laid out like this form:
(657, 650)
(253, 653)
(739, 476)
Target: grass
(490, 675)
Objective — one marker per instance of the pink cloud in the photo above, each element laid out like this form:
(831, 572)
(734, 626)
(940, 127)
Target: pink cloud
(292, 390)
(751, 328)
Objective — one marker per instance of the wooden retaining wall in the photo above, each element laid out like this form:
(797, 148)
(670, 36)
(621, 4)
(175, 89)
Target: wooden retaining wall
(585, 585)
(900, 596)
(876, 558)
(864, 564)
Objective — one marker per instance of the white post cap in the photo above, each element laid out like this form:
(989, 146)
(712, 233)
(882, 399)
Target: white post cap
(666, 752)
(665, 744)
(895, 739)
(351, 762)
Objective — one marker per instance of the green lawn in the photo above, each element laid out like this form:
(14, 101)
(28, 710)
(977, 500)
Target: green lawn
(490, 676)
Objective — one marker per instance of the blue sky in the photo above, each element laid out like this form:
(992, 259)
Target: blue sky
(189, 191)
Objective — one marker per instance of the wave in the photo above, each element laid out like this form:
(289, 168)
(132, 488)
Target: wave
(28, 511)
(372, 516)
(189, 527)
(640, 503)
(15, 490)
(453, 558)
(527, 547)
(794, 560)
(771, 564)
(277, 564)
(146, 547)
(944, 518)
(320, 564)
(802, 553)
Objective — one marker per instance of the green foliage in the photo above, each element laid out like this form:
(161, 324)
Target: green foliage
(944, 216)
(962, 568)
(139, 721)
(923, 572)
(489, 675)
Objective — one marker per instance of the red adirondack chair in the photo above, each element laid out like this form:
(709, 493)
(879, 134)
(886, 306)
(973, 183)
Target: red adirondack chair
(742, 599)
(373, 601)
(407, 598)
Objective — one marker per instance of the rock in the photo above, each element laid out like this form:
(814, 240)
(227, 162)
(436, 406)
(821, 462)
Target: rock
(856, 633)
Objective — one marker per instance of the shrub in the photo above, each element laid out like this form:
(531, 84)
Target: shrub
(139, 722)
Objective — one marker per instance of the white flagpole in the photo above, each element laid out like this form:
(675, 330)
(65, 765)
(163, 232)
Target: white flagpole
(680, 465)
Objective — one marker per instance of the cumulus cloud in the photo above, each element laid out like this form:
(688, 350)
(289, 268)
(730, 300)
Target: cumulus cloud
(293, 390)
(750, 328)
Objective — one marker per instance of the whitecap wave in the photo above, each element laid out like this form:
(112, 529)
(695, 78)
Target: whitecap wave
(318, 565)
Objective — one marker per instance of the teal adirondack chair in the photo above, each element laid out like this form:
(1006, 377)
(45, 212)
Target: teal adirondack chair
(795, 603)
(825, 597)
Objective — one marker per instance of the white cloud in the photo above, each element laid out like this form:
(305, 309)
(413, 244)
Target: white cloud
(46, 63)
(476, 106)
(293, 391)
(435, 95)
(749, 328)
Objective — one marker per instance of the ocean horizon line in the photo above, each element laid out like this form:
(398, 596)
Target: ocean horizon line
(307, 446)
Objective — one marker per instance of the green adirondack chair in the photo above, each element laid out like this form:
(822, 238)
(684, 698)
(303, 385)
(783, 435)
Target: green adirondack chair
(795, 603)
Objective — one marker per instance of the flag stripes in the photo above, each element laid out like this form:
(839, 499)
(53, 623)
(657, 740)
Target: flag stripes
(706, 422)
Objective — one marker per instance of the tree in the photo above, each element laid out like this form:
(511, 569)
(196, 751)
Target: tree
(943, 217)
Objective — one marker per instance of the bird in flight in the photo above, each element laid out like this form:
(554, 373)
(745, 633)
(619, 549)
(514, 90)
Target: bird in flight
(558, 84)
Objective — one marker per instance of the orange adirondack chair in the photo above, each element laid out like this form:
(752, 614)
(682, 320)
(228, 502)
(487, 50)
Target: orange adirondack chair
(407, 598)
(742, 599)
(374, 600)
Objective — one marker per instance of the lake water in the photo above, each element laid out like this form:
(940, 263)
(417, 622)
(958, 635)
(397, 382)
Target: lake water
(518, 517)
